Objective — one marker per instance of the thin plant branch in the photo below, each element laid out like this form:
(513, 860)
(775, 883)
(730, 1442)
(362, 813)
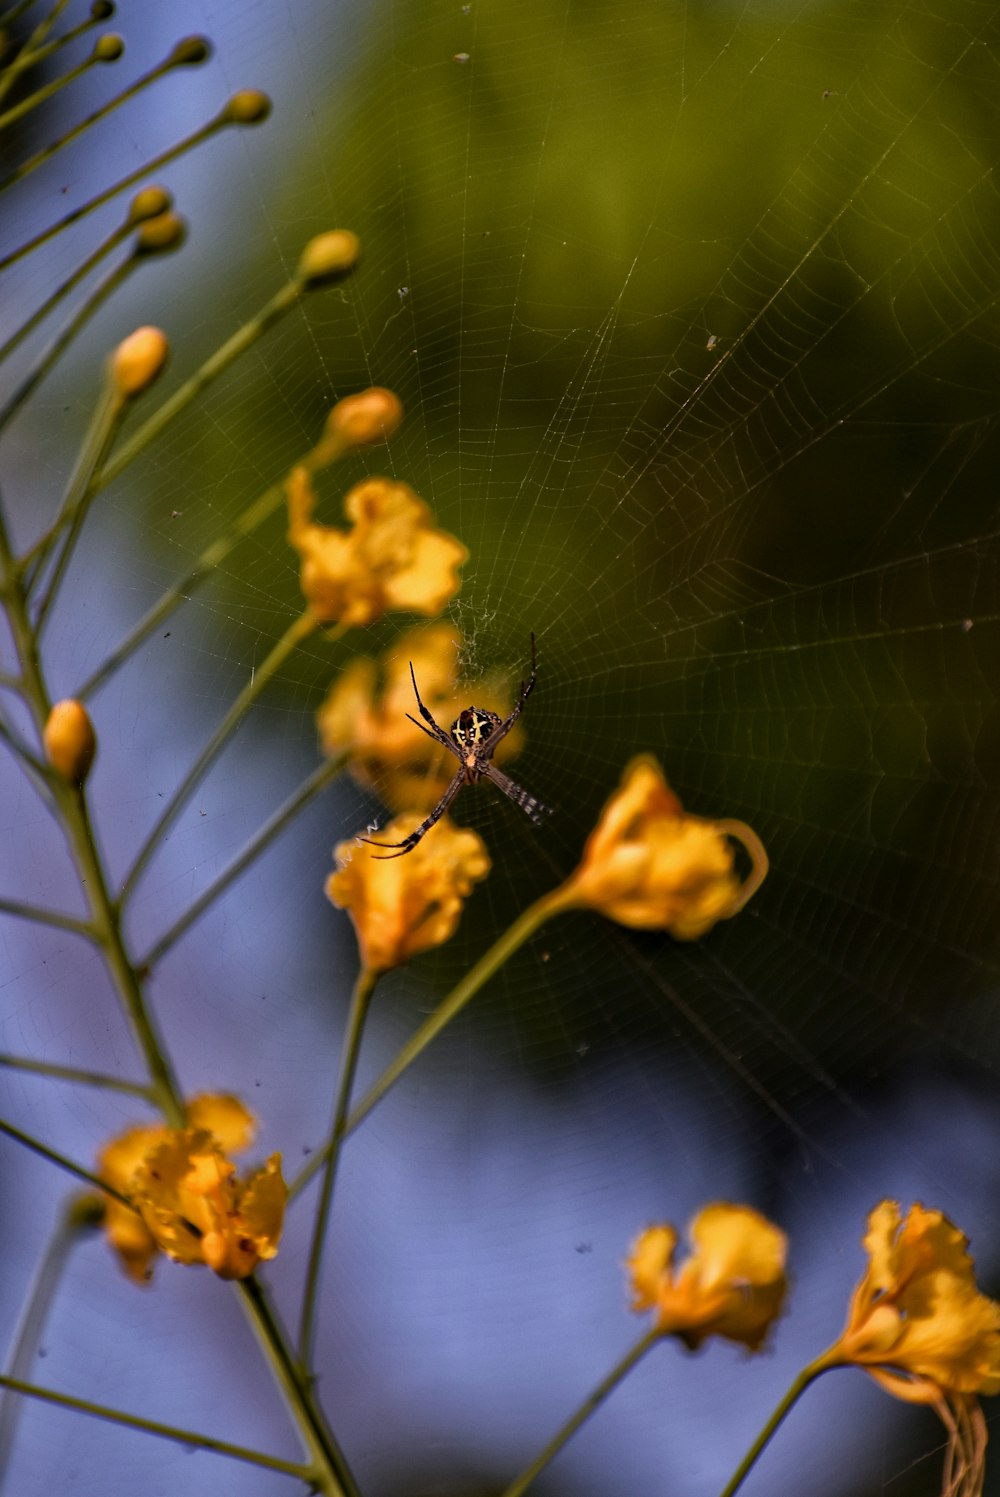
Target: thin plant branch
(56, 1072)
(105, 248)
(296, 632)
(186, 1437)
(62, 1161)
(583, 1413)
(331, 1473)
(364, 987)
(100, 54)
(276, 824)
(35, 40)
(187, 53)
(229, 115)
(80, 1215)
(40, 916)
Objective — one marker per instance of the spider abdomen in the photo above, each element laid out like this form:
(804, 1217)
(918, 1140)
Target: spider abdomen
(473, 727)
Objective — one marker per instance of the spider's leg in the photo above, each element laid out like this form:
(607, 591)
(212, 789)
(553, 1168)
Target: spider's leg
(425, 826)
(438, 737)
(512, 717)
(529, 805)
(425, 713)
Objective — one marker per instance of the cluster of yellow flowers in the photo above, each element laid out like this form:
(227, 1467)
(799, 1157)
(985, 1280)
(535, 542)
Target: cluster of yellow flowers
(917, 1322)
(187, 1200)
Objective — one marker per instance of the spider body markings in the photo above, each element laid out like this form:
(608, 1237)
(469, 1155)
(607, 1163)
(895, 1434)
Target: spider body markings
(473, 739)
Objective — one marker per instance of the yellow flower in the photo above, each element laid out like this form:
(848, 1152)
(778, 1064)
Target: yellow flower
(389, 753)
(919, 1326)
(190, 1204)
(198, 1211)
(732, 1284)
(917, 1318)
(650, 865)
(402, 906)
(392, 559)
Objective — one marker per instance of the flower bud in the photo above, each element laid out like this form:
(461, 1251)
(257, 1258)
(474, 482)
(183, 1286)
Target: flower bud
(108, 48)
(189, 52)
(248, 107)
(149, 203)
(328, 258)
(365, 418)
(137, 361)
(69, 741)
(161, 235)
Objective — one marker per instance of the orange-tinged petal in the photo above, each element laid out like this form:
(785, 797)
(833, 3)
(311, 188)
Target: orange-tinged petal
(232, 1125)
(402, 906)
(732, 1284)
(651, 866)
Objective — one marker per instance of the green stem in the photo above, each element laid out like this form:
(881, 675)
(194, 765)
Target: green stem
(266, 834)
(500, 952)
(302, 627)
(40, 916)
(74, 324)
(583, 1413)
(806, 1376)
(104, 427)
(99, 199)
(74, 1074)
(154, 1427)
(147, 80)
(64, 1163)
(105, 915)
(34, 41)
(79, 1215)
(360, 998)
(244, 337)
(330, 1472)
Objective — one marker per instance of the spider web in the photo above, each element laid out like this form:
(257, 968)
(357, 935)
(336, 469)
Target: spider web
(693, 312)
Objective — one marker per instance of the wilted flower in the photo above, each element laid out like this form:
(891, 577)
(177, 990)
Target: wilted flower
(189, 1202)
(920, 1327)
(650, 865)
(388, 752)
(732, 1284)
(402, 906)
(392, 559)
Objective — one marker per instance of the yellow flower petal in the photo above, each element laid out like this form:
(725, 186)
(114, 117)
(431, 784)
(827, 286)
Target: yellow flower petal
(190, 1203)
(392, 558)
(651, 866)
(732, 1284)
(405, 905)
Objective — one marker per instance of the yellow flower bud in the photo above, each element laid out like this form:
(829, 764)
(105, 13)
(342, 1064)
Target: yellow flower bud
(360, 420)
(138, 360)
(161, 235)
(149, 203)
(108, 48)
(329, 258)
(248, 107)
(70, 742)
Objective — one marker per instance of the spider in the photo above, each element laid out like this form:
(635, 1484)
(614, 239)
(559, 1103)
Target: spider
(472, 738)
